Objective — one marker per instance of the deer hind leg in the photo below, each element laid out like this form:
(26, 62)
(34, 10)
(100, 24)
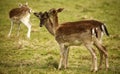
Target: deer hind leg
(26, 22)
(94, 57)
(100, 35)
(106, 59)
(101, 60)
(104, 52)
(12, 23)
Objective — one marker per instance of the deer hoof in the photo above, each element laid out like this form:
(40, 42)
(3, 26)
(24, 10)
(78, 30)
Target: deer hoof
(94, 70)
(100, 68)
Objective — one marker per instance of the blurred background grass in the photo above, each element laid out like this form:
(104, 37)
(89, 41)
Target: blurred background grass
(40, 54)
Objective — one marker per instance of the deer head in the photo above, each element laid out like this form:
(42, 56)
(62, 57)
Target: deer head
(43, 17)
(45, 20)
(25, 6)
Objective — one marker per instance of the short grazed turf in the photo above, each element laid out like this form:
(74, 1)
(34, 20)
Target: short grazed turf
(40, 54)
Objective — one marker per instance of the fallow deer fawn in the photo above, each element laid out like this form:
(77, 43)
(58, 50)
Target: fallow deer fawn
(20, 15)
(87, 32)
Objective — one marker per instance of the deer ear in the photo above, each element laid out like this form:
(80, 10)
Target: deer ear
(20, 4)
(26, 3)
(45, 14)
(52, 11)
(60, 9)
(40, 13)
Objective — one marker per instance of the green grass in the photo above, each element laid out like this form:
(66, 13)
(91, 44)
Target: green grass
(40, 54)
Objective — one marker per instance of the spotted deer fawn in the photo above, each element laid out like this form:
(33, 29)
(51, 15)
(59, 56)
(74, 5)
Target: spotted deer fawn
(87, 32)
(20, 15)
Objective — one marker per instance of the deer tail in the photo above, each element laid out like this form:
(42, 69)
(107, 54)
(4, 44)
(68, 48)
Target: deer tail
(104, 29)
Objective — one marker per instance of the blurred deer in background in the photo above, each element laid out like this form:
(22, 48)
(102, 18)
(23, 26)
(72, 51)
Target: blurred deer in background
(87, 32)
(20, 15)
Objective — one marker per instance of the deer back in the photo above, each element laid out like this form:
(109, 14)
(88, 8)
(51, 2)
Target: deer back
(77, 27)
(19, 12)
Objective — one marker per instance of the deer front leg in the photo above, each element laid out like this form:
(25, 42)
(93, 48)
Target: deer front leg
(62, 54)
(11, 28)
(18, 29)
(26, 22)
(66, 57)
(29, 30)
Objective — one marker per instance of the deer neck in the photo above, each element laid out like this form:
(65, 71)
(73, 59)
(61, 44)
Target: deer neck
(49, 26)
(55, 22)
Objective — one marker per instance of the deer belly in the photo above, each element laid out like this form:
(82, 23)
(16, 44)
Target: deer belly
(70, 41)
(73, 43)
(73, 39)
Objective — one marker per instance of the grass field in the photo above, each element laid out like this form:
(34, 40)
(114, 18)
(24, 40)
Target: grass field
(40, 54)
